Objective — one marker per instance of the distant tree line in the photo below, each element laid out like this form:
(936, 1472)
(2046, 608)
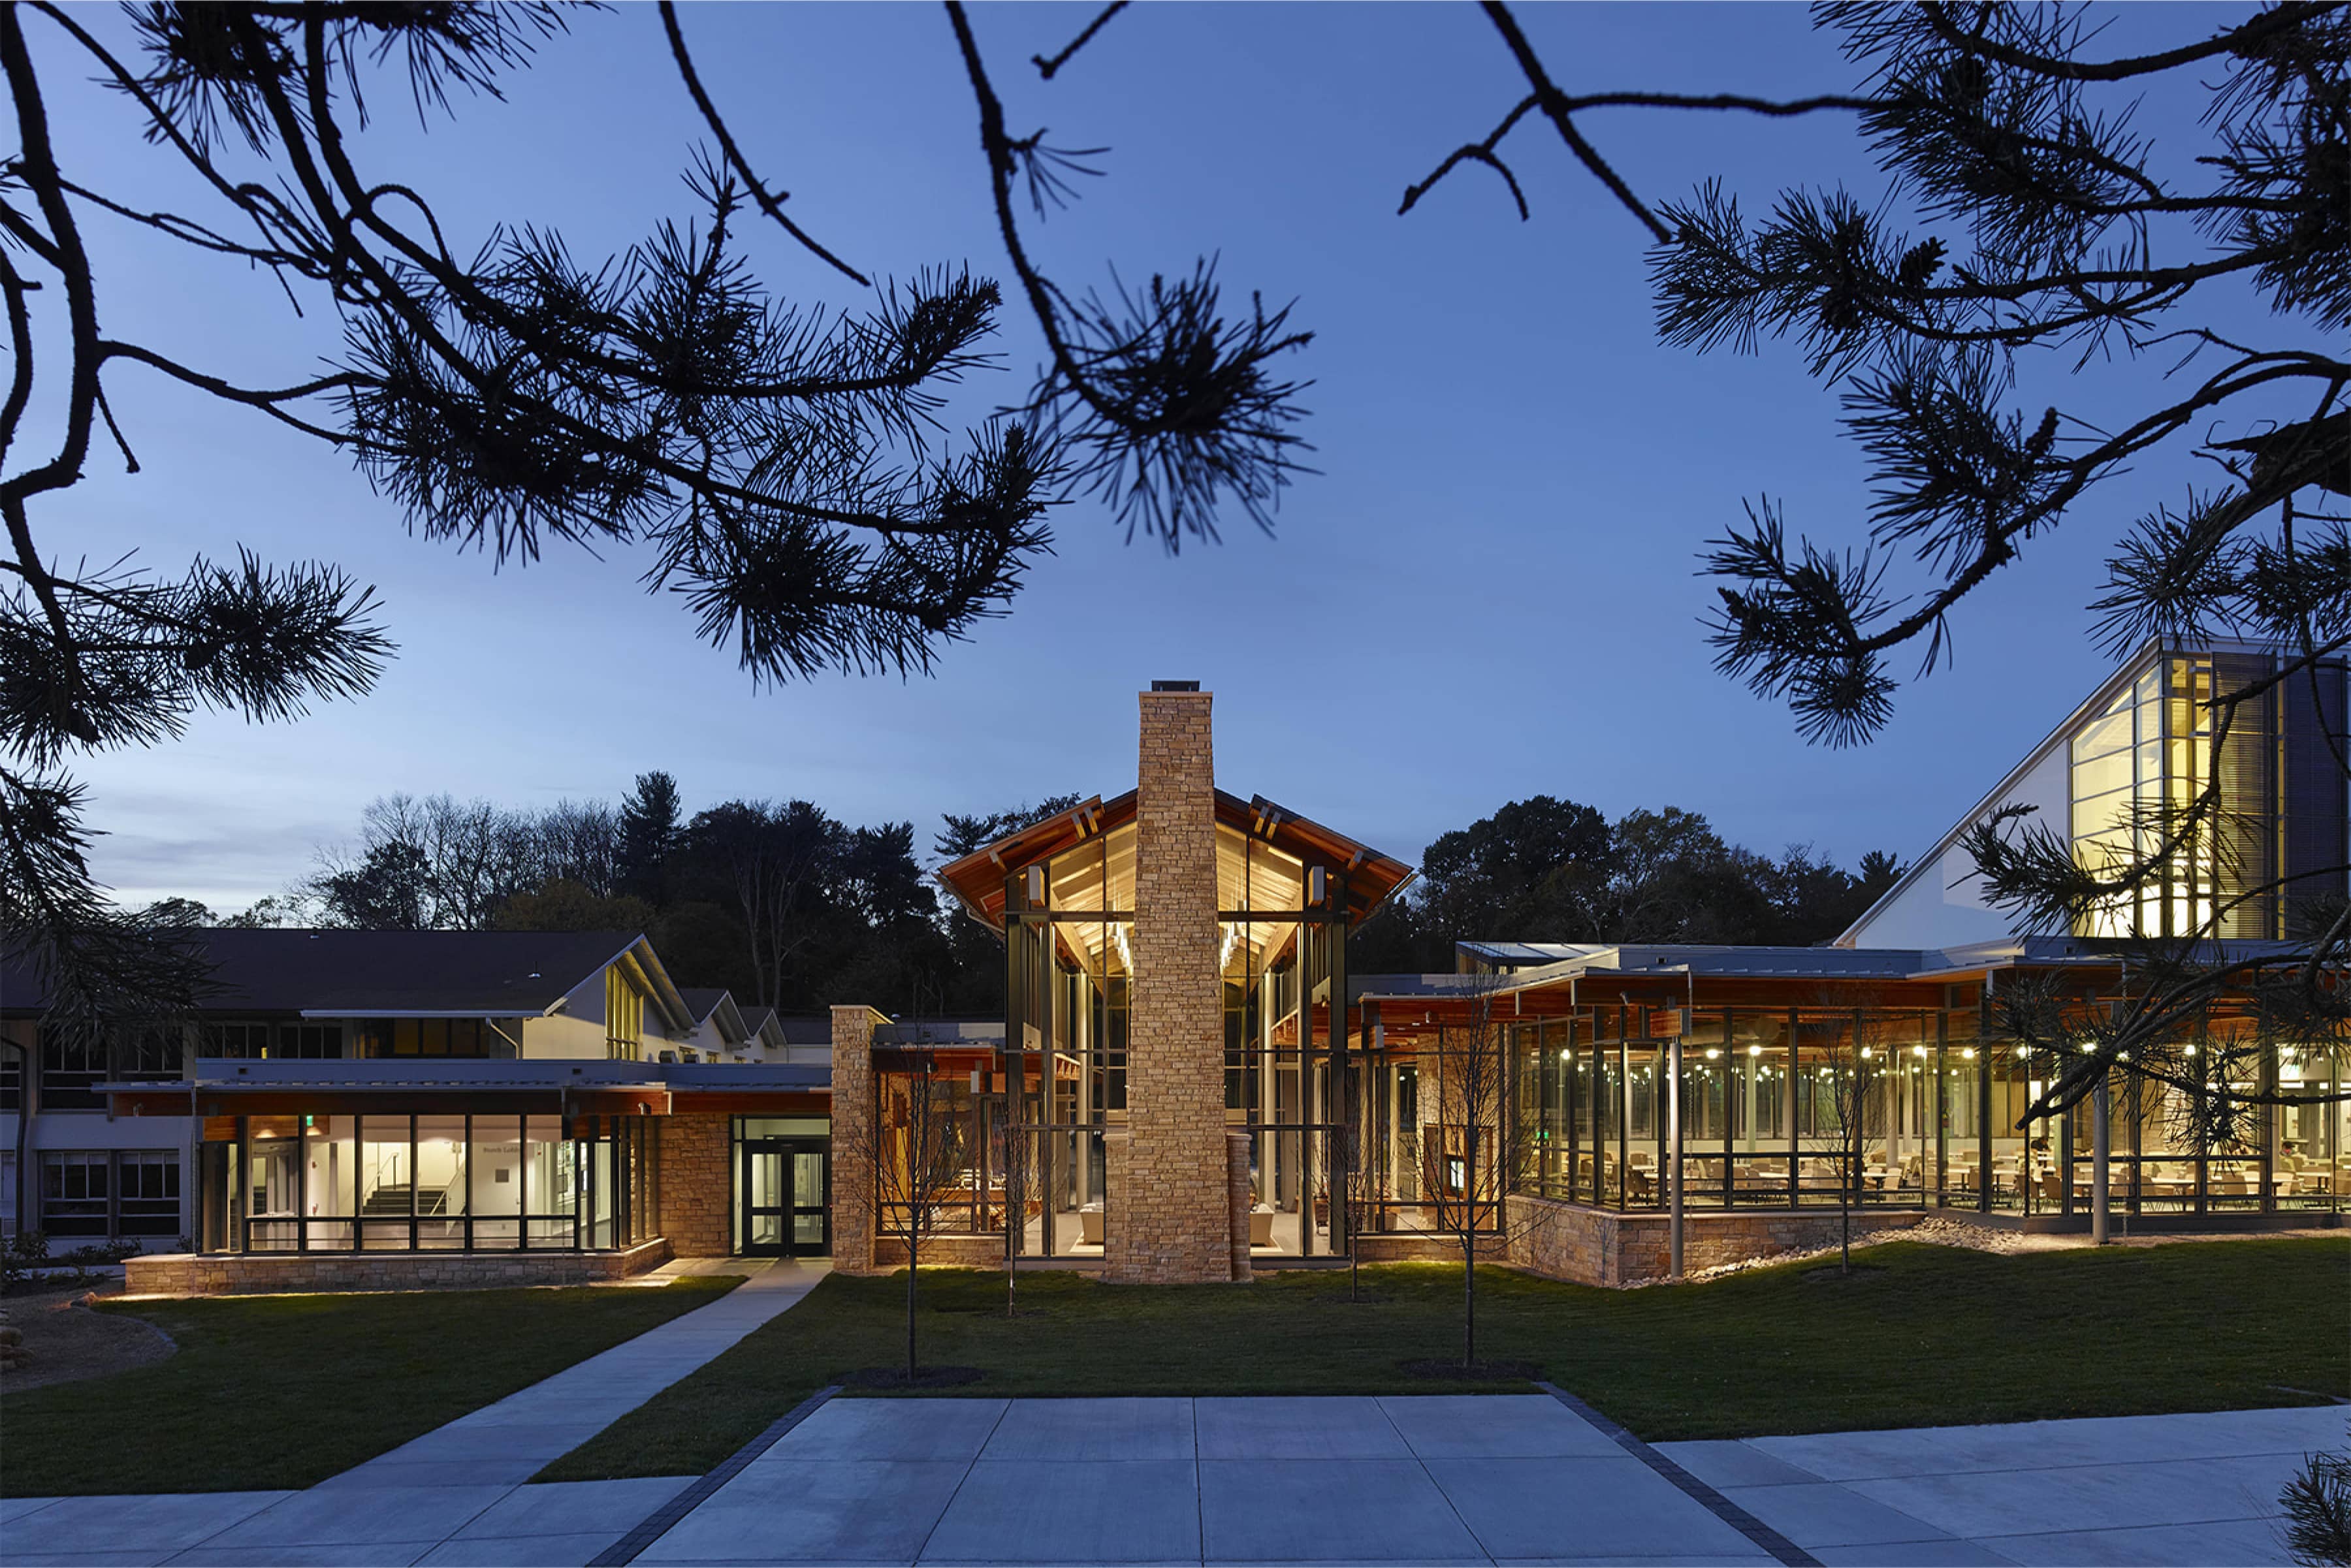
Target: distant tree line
(788, 908)
(1545, 870)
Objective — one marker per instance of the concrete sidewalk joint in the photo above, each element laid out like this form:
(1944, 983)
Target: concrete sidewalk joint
(1783, 1549)
(658, 1523)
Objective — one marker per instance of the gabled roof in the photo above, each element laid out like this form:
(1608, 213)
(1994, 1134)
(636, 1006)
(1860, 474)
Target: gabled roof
(803, 1028)
(977, 880)
(715, 1003)
(423, 974)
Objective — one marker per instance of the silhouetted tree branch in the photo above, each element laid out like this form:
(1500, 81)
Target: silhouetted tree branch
(783, 466)
(2021, 211)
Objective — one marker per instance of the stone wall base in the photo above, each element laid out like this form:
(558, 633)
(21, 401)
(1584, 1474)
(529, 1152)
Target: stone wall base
(1395, 1247)
(941, 1251)
(1604, 1247)
(232, 1274)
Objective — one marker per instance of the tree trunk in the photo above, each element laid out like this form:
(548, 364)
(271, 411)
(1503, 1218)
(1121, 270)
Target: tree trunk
(1849, 1194)
(913, 1267)
(1469, 1301)
(24, 1073)
(1469, 1249)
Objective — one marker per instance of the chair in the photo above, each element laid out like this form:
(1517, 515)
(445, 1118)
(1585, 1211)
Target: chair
(1090, 1225)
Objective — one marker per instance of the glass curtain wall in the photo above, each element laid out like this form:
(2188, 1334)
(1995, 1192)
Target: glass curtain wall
(432, 1182)
(2143, 760)
(1032, 1162)
(1793, 1107)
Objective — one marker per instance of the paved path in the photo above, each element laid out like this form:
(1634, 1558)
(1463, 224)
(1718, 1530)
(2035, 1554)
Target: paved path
(454, 1495)
(1436, 1479)
(1464, 1479)
(2121, 1489)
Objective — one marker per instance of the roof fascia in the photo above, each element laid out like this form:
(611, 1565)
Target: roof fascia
(640, 952)
(420, 1013)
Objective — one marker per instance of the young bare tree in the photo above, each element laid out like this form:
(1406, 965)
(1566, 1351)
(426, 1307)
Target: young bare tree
(1018, 1157)
(1476, 1154)
(916, 1150)
(1362, 1183)
(1855, 1075)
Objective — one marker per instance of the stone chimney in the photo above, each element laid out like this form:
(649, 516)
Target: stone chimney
(1167, 1216)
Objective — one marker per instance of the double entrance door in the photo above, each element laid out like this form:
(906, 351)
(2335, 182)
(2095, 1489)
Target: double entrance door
(786, 1188)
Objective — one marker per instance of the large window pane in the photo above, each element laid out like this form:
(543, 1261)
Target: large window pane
(74, 1186)
(147, 1200)
(387, 1182)
(274, 1165)
(331, 1157)
(552, 1172)
(601, 1175)
(497, 1179)
(439, 1181)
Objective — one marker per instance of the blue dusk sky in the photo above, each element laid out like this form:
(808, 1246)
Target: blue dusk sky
(1488, 590)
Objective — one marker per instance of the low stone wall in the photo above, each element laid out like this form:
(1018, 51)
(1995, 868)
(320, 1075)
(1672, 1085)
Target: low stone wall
(1420, 1246)
(984, 1252)
(1603, 1246)
(229, 1274)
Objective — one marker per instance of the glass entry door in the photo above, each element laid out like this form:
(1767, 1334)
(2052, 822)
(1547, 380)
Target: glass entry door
(787, 1208)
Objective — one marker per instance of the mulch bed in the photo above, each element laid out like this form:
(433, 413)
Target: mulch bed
(926, 1378)
(1477, 1371)
(69, 1342)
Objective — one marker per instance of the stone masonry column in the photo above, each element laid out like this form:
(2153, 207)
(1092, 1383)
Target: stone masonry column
(1236, 1197)
(1176, 1226)
(853, 1136)
(1115, 1141)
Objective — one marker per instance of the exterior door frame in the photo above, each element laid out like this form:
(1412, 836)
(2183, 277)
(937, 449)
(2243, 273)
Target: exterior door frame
(792, 1203)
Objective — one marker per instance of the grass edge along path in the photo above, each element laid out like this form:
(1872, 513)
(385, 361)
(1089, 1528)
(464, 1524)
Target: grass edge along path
(1931, 1336)
(283, 1391)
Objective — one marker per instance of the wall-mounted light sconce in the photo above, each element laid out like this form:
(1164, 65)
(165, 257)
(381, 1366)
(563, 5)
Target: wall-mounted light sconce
(1035, 888)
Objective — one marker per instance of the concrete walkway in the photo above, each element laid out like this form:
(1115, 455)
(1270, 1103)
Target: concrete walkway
(1466, 1479)
(2121, 1489)
(1428, 1478)
(454, 1495)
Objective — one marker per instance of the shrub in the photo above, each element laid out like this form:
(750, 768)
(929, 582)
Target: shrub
(2317, 1507)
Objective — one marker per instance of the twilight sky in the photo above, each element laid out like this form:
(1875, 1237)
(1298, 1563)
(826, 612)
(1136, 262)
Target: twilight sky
(1488, 593)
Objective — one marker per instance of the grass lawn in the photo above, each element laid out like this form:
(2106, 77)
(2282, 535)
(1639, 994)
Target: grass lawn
(1940, 1336)
(285, 1391)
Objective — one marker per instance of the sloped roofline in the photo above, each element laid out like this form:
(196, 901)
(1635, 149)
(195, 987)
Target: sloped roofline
(2125, 673)
(640, 948)
(977, 880)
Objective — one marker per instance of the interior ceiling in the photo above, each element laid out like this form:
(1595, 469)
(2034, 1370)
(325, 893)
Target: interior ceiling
(1100, 874)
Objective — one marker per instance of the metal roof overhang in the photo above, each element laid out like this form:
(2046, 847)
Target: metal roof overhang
(331, 1099)
(428, 1012)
